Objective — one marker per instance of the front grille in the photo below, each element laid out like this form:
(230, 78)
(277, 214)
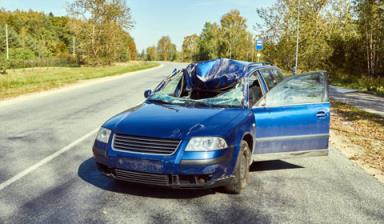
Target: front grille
(142, 178)
(145, 144)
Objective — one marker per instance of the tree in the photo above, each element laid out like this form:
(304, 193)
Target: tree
(190, 47)
(347, 56)
(236, 42)
(126, 48)
(371, 20)
(209, 42)
(166, 50)
(229, 39)
(151, 54)
(279, 27)
(98, 25)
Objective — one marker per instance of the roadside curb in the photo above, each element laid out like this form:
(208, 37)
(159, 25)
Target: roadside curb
(76, 85)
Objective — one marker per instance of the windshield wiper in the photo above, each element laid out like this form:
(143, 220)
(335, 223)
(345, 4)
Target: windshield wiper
(158, 101)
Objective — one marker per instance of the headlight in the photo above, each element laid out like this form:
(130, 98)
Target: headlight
(206, 144)
(103, 135)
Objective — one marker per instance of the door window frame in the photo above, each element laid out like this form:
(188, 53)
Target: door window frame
(261, 83)
(325, 98)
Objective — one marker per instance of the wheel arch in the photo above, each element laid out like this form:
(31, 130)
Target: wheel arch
(249, 139)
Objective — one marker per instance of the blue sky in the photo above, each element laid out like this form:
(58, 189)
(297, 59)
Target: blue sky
(155, 18)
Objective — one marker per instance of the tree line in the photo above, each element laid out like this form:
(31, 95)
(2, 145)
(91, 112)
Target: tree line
(338, 35)
(94, 32)
(228, 39)
(165, 50)
(341, 36)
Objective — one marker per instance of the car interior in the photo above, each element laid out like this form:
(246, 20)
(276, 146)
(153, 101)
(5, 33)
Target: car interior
(254, 91)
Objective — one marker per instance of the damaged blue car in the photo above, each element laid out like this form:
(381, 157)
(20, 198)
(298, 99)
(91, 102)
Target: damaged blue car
(204, 125)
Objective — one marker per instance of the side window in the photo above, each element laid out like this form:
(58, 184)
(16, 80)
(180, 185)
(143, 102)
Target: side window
(309, 88)
(277, 75)
(269, 78)
(254, 89)
(173, 86)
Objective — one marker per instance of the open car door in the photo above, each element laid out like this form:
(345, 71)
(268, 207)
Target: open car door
(292, 119)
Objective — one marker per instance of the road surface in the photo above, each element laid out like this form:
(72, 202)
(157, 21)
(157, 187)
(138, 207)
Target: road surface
(368, 102)
(47, 174)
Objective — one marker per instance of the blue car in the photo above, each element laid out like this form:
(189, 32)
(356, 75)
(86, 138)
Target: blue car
(204, 125)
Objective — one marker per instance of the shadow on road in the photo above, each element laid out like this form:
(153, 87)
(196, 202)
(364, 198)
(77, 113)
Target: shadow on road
(273, 165)
(89, 173)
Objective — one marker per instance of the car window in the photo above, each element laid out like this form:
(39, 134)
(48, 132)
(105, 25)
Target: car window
(172, 91)
(277, 75)
(309, 88)
(254, 89)
(270, 79)
(172, 85)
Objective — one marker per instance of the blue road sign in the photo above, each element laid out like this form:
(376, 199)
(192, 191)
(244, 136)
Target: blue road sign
(259, 44)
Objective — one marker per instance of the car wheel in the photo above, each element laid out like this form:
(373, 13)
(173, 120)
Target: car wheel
(241, 170)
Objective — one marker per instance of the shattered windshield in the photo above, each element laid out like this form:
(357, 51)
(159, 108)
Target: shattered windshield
(173, 91)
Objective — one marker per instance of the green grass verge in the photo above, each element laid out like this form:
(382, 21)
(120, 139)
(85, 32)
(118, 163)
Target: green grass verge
(22, 81)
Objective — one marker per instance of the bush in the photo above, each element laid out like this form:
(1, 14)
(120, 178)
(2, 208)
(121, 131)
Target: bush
(4, 65)
(63, 61)
(21, 54)
(363, 82)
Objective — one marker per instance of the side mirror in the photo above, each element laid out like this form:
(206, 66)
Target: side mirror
(147, 93)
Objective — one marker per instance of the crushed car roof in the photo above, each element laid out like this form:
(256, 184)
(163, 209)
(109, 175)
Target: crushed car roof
(218, 74)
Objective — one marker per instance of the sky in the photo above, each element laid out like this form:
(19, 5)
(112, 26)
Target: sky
(156, 18)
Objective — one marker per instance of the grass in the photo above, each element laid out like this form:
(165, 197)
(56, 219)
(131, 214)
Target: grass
(362, 83)
(362, 134)
(21, 81)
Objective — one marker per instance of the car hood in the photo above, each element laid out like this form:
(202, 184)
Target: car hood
(172, 121)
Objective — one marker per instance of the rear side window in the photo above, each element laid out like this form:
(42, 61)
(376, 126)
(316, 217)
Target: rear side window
(272, 77)
(309, 88)
(277, 75)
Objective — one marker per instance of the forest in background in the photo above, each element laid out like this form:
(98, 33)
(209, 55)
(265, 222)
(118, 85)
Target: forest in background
(344, 37)
(94, 32)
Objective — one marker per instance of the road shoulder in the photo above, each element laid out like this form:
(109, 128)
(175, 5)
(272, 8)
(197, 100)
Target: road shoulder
(359, 135)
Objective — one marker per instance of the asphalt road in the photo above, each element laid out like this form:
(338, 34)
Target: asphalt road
(44, 187)
(368, 102)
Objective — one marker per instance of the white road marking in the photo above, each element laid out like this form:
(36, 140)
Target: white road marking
(45, 161)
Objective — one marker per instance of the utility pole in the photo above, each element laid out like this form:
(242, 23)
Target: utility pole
(74, 46)
(248, 48)
(93, 40)
(297, 37)
(230, 45)
(6, 41)
(253, 47)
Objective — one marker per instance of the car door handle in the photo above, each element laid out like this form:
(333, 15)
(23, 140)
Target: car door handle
(321, 114)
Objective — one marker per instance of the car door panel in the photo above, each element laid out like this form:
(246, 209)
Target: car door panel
(294, 116)
(292, 128)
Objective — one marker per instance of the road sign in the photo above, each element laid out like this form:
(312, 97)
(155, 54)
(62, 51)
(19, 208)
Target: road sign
(259, 44)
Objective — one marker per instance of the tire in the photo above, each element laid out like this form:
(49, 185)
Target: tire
(241, 170)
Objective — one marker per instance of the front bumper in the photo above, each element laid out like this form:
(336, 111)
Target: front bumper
(165, 180)
(181, 170)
